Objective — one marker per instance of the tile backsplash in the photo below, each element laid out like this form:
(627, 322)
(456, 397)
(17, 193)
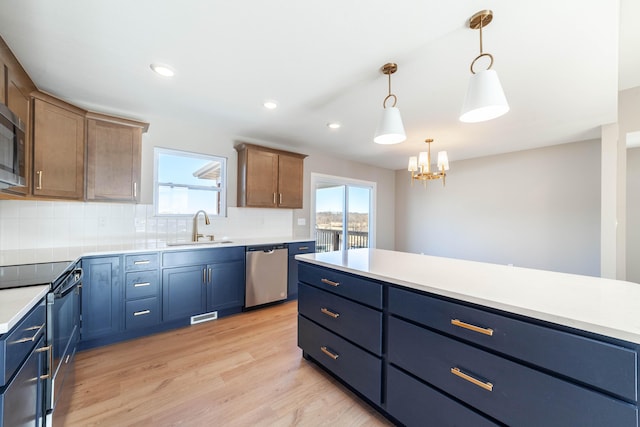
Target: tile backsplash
(43, 231)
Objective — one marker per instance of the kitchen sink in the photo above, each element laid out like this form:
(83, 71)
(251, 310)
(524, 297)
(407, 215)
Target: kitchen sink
(200, 243)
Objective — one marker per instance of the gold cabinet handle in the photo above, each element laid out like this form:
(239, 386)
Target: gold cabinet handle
(280, 198)
(48, 349)
(135, 190)
(32, 338)
(141, 312)
(485, 385)
(140, 285)
(330, 313)
(330, 282)
(332, 355)
(303, 248)
(209, 272)
(274, 198)
(204, 275)
(39, 186)
(142, 262)
(474, 328)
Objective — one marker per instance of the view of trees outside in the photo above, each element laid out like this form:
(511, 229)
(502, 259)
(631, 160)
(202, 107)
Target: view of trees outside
(330, 203)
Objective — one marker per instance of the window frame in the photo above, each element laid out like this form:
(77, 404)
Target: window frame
(157, 151)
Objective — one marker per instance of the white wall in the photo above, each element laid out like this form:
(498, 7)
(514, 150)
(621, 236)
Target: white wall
(633, 215)
(537, 208)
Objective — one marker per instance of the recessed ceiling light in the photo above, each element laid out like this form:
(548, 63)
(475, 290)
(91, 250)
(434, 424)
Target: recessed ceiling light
(163, 70)
(270, 105)
(334, 125)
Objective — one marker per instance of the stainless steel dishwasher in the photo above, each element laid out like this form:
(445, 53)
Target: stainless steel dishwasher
(266, 279)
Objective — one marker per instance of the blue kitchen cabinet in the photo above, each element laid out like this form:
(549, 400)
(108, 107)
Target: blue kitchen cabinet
(200, 281)
(23, 364)
(102, 297)
(296, 248)
(183, 292)
(225, 288)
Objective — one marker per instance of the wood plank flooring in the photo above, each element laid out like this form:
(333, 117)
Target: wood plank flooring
(242, 370)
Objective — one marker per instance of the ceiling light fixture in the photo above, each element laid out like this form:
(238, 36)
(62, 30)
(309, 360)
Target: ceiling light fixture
(390, 129)
(163, 70)
(270, 105)
(334, 125)
(485, 98)
(420, 166)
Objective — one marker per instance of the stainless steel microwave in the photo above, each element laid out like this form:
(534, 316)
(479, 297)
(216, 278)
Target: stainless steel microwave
(12, 167)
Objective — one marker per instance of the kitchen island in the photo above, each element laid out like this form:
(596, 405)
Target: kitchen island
(451, 342)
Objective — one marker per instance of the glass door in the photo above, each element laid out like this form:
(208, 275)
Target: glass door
(343, 214)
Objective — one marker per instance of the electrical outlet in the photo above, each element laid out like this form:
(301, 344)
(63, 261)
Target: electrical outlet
(302, 221)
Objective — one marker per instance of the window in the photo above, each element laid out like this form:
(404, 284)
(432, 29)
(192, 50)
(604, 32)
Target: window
(343, 213)
(187, 182)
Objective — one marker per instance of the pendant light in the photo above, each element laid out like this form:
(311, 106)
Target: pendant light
(390, 129)
(485, 98)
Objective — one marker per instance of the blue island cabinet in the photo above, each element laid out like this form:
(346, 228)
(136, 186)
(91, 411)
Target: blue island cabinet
(197, 282)
(437, 361)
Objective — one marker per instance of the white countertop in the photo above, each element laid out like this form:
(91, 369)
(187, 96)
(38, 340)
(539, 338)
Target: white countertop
(16, 303)
(602, 306)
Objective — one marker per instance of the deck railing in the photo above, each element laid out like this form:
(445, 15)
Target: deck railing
(331, 240)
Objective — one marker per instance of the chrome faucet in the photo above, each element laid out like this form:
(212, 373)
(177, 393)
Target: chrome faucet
(195, 235)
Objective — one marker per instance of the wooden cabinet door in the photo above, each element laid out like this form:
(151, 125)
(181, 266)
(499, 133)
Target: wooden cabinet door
(262, 179)
(290, 182)
(113, 161)
(102, 297)
(20, 104)
(58, 151)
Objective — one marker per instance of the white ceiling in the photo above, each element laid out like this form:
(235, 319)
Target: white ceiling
(561, 64)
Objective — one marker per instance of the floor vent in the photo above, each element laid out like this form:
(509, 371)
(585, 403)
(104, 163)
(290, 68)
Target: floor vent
(204, 317)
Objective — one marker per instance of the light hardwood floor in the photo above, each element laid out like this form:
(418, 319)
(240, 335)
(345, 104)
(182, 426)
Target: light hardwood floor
(242, 370)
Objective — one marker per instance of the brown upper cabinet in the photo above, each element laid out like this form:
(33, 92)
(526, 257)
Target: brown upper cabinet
(58, 148)
(113, 158)
(269, 178)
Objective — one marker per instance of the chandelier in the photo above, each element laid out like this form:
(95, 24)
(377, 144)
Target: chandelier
(420, 166)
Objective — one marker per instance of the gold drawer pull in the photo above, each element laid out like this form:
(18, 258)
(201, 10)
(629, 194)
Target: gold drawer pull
(140, 285)
(303, 248)
(48, 349)
(474, 328)
(330, 313)
(32, 338)
(330, 282)
(146, 261)
(141, 313)
(485, 385)
(329, 353)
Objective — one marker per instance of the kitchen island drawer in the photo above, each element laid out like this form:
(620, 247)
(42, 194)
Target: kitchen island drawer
(342, 316)
(19, 341)
(507, 391)
(356, 288)
(414, 403)
(356, 367)
(140, 284)
(146, 261)
(142, 313)
(607, 367)
(302, 247)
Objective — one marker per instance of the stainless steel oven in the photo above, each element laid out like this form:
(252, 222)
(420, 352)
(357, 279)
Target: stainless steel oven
(63, 335)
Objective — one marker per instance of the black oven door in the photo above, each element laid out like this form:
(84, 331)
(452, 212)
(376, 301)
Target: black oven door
(63, 333)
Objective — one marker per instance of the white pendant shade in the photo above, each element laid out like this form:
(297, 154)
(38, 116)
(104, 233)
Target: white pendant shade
(485, 98)
(423, 159)
(413, 164)
(443, 160)
(390, 129)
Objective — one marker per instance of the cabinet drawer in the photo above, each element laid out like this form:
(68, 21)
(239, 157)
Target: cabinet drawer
(346, 285)
(353, 365)
(17, 343)
(141, 284)
(142, 313)
(344, 317)
(302, 247)
(414, 403)
(147, 261)
(609, 367)
(507, 391)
